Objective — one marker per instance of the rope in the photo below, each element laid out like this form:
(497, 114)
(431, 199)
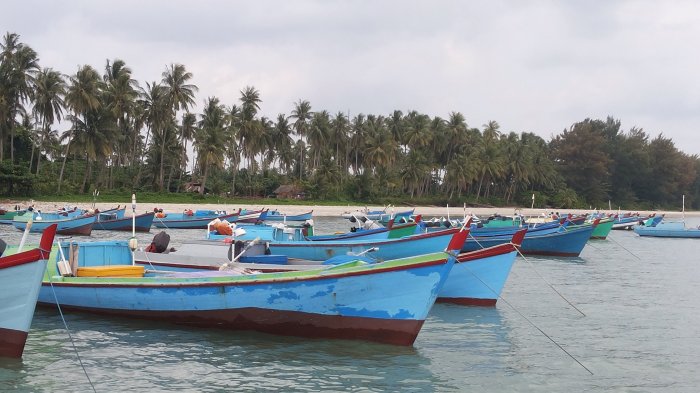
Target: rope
(70, 335)
(528, 320)
(547, 282)
(623, 247)
(161, 221)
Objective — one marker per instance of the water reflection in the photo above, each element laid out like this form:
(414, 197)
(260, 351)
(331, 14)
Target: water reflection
(167, 354)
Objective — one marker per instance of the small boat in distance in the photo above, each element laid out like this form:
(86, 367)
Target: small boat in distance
(276, 215)
(112, 222)
(77, 225)
(663, 228)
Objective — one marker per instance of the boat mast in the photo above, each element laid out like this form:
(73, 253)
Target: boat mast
(683, 211)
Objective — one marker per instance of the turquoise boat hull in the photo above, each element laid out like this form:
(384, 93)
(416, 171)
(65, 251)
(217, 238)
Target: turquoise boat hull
(668, 229)
(384, 302)
(384, 249)
(566, 242)
(20, 280)
(142, 223)
(81, 225)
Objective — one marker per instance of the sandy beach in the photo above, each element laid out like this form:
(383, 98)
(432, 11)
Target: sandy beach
(320, 211)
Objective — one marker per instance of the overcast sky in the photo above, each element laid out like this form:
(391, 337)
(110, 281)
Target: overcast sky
(536, 66)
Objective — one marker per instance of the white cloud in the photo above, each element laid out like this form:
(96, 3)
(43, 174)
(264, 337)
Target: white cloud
(532, 66)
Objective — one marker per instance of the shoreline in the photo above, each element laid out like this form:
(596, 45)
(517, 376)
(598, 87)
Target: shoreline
(326, 211)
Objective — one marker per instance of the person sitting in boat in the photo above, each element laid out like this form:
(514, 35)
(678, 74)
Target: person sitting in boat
(38, 216)
(189, 212)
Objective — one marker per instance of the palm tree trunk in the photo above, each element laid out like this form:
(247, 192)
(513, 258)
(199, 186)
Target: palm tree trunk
(31, 159)
(162, 158)
(481, 181)
(87, 173)
(204, 179)
(138, 174)
(63, 166)
(38, 163)
(12, 145)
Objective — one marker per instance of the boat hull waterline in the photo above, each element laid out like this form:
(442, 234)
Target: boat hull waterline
(385, 303)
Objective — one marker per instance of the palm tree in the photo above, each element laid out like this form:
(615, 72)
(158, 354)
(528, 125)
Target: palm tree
(302, 117)
(93, 136)
(187, 131)
(180, 95)
(121, 93)
(282, 142)
(340, 127)
(211, 137)
(251, 132)
(18, 66)
(157, 114)
(50, 87)
(318, 136)
(357, 143)
(82, 97)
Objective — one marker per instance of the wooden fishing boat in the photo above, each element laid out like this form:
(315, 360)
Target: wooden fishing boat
(391, 231)
(478, 277)
(191, 220)
(79, 225)
(381, 249)
(111, 222)
(384, 302)
(6, 216)
(276, 215)
(602, 230)
(626, 221)
(20, 280)
(566, 241)
(668, 229)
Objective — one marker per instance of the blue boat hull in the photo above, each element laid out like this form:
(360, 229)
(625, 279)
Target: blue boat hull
(275, 216)
(565, 243)
(383, 303)
(479, 282)
(668, 229)
(386, 249)
(181, 221)
(70, 226)
(143, 223)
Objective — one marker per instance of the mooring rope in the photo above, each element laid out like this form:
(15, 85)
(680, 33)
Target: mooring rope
(527, 319)
(65, 324)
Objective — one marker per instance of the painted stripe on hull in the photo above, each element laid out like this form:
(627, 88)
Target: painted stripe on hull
(12, 343)
(84, 230)
(287, 323)
(467, 301)
(124, 227)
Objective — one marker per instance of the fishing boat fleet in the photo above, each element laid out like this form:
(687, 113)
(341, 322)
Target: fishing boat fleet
(267, 271)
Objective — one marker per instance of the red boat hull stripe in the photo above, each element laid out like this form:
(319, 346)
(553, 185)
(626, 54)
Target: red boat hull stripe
(12, 343)
(286, 323)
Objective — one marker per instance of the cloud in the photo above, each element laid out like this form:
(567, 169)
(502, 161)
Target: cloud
(532, 66)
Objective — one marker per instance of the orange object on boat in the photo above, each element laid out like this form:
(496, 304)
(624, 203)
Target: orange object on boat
(223, 228)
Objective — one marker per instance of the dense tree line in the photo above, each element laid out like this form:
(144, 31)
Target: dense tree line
(125, 135)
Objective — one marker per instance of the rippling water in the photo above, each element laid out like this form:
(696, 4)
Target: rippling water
(641, 333)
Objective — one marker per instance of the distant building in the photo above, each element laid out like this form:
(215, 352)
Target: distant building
(289, 191)
(193, 186)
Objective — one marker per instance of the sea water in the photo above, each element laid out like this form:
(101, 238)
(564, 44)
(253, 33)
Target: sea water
(640, 333)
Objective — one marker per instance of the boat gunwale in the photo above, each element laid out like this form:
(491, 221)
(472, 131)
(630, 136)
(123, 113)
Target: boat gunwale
(219, 281)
